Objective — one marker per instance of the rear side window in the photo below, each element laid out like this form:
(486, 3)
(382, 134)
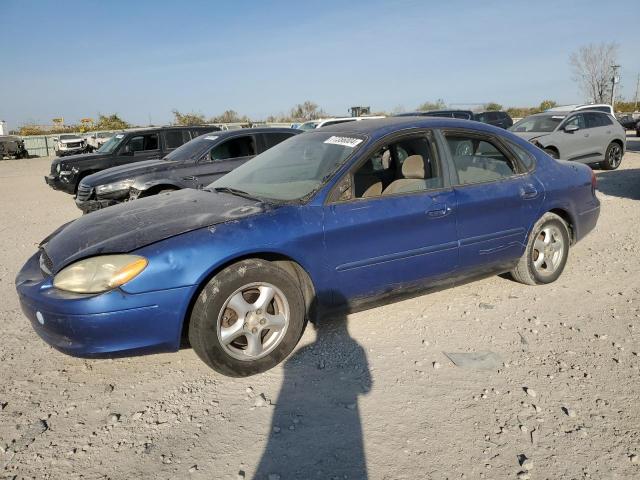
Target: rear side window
(174, 139)
(272, 139)
(528, 161)
(234, 148)
(478, 160)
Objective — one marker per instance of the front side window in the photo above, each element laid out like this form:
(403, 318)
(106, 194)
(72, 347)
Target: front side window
(478, 160)
(577, 120)
(527, 160)
(407, 165)
(234, 148)
(293, 169)
(141, 143)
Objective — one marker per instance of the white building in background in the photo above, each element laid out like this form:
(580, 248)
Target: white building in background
(3, 128)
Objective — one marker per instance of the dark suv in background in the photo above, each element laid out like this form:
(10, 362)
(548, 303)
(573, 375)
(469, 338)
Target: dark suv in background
(193, 165)
(495, 118)
(122, 148)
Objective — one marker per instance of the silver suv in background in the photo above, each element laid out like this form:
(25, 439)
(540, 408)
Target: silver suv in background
(96, 139)
(69, 144)
(584, 136)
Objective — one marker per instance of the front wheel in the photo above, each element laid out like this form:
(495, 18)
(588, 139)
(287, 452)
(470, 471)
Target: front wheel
(247, 319)
(613, 156)
(546, 254)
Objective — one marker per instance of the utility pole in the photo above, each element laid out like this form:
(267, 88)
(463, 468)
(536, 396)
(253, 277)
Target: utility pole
(635, 103)
(614, 80)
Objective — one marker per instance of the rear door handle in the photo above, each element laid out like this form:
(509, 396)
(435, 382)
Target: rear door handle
(529, 191)
(190, 178)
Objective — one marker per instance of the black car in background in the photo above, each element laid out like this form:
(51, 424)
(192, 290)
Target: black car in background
(193, 165)
(495, 118)
(123, 148)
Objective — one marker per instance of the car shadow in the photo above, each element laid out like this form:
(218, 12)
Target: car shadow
(620, 183)
(316, 430)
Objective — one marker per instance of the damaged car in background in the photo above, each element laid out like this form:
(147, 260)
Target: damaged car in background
(12, 147)
(591, 137)
(193, 165)
(338, 217)
(122, 148)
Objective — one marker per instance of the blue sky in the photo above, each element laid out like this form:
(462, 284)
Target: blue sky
(142, 59)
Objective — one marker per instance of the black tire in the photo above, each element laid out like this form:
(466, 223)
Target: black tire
(612, 157)
(210, 308)
(552, 153)
(526, 271)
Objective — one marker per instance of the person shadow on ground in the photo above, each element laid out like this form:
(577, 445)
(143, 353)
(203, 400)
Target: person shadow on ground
(316, 430)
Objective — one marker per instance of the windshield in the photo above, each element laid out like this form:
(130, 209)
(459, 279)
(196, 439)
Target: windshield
(294, 168)
(110, 145)
(193, 149)
(538, 123)
(308, 126)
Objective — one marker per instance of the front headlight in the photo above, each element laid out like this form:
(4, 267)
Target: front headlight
(114, 187)
(99, 274)
(58, 167)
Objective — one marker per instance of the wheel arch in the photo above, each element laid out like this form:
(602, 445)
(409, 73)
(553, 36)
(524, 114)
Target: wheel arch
(619, 142)
(568, 219)
(287, 263)
(158, 187)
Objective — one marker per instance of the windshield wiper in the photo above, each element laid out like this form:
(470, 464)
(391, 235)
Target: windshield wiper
(239, 193)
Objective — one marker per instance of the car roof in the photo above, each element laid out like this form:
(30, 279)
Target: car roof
(380, 127)
(251, 131)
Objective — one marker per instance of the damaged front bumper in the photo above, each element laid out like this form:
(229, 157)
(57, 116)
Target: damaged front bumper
(57, 183)
(110, 324)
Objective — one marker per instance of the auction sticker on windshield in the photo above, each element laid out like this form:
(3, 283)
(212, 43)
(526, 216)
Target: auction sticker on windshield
(211, 137)
(344, 141)
(120, 135)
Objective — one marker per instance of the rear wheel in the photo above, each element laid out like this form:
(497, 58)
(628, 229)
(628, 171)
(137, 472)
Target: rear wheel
(613, 156)
(247, 319)
(546, 254)
(552, 153)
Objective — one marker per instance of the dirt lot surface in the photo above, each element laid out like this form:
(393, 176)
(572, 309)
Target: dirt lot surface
(371, 396)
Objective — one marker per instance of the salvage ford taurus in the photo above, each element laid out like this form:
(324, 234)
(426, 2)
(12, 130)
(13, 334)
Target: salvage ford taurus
(356, 211)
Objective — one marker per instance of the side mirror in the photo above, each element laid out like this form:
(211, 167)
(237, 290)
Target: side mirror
(571, 128)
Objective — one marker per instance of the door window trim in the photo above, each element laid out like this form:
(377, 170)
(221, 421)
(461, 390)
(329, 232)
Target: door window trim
(432, 137)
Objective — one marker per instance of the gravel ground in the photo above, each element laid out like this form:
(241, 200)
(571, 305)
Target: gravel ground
(368, 396)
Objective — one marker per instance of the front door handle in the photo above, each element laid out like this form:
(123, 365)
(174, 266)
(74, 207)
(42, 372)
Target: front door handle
(586, 135)
(439, 210)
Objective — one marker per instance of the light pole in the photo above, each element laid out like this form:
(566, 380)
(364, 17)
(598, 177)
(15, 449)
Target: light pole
(614, 80)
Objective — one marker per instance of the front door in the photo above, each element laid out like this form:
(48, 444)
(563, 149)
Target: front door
(138, 148)
(221, 159)
(390, 223)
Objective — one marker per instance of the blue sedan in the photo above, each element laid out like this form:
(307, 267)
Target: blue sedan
(339, 217)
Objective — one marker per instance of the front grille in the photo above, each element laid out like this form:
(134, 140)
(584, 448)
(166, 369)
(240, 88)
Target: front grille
(46, 265)
(85, 192)
(72, 145)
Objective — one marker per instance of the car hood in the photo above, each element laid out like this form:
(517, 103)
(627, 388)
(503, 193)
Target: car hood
(531, 135)
(132, 225)
(127, 171)
(83, 157)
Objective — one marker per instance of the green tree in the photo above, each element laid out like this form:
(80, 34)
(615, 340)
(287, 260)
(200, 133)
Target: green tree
(110, 122)
(546, 105)
(493, 107)
(187, 119)
(230, 116)
(427, 106)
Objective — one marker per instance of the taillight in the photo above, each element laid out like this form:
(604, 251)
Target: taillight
(594, 182)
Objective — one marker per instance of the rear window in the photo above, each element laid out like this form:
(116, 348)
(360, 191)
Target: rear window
(272, 139)
(528, 161)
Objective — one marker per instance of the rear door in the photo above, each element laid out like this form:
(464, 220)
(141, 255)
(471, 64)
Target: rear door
(498, 200)
(221, 159)
(173, 139)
